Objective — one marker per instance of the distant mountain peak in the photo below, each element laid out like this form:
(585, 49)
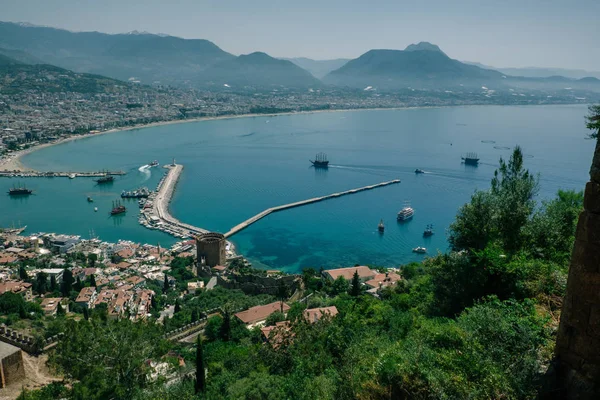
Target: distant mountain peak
(424, 46)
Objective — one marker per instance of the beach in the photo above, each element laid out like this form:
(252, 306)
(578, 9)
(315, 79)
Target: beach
(12, 161)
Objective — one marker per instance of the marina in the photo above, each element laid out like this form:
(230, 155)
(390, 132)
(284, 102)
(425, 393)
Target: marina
(51, 174)
(155, 212)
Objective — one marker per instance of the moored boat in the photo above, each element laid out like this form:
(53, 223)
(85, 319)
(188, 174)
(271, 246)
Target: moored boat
(105, 179)
(420, 250)
(428, 231)
(118, 208)
(381, 227)
(19, 191)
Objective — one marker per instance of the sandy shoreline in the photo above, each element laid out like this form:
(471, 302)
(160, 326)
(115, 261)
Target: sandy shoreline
(12, 161)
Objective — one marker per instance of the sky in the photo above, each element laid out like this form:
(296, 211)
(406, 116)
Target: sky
(500, 33)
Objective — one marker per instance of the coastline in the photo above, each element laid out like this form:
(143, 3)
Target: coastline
(12, 162)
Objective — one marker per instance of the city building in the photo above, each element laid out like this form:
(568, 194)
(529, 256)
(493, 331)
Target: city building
(364, 273)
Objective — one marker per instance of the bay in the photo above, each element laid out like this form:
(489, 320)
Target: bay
(235, 168)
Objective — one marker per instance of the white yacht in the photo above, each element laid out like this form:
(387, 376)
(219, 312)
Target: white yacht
(406, 213)
(420, 250)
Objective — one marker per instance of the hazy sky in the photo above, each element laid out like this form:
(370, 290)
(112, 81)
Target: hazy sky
(502, 33)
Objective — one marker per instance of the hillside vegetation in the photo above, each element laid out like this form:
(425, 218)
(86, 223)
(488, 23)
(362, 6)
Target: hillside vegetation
(477, 322)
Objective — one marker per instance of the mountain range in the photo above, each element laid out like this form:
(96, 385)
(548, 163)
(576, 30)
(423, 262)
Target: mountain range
(151, 58)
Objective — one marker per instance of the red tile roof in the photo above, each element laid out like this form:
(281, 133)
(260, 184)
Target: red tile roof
(260, 313)
(314, 314)
(348, 273)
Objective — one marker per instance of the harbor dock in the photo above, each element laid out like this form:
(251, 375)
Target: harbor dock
(51, 174)
(268, 211)
(155, 214)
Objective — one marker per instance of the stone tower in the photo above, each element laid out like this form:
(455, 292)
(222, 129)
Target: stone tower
(578, 341)
(211, 249)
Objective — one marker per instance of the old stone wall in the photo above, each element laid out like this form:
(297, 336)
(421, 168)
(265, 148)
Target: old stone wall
(578, 340)
(12, 368)
(256, 284)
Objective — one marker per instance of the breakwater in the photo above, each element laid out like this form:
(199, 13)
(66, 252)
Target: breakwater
(155, 214)
(51, 174)
(271, 210)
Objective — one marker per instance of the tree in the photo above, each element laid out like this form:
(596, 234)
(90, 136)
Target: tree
(177, 306)
(59, 309)
(340, 285)
(23, 273)
(78, 285)
(274, 318)
(282, 293)
(92, 280)
(108, 359)
(86, 313)
(200, 375)
(166, 285)
(52, 283)
(593, 120)
(473, 226)
(355, 287)
(91, 259)
(500, 213)
(194, 317)
(225, 329)
(67, 282)
(41, 282)
(514, 188)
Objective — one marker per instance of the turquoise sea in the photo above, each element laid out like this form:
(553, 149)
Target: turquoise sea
(236, 168)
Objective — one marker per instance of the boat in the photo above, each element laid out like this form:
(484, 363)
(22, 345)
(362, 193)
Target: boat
(105, 179)
(419, 171)
(95, 209)
(135, 194)
(154, 163)
(71, 176)
(406, 213)
(19, 191)
(118, 208)
(90, 200)
(320, 161)
(428, 231)
(420, 250)
(141, 203)
(381, 227)
(470, 159)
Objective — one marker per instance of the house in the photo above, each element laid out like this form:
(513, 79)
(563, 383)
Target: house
(142, 303)
(50, 305)
(6, 258)
(257, 315)
(364, 273)
(276, 334)
(383, 280)
(312, 315)
(136, 281)
(86, 297)
(60, 243)
(19, 287)
(193, 286)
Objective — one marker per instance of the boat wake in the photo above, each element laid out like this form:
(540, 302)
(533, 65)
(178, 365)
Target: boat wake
(146, 171)
(144, 168)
